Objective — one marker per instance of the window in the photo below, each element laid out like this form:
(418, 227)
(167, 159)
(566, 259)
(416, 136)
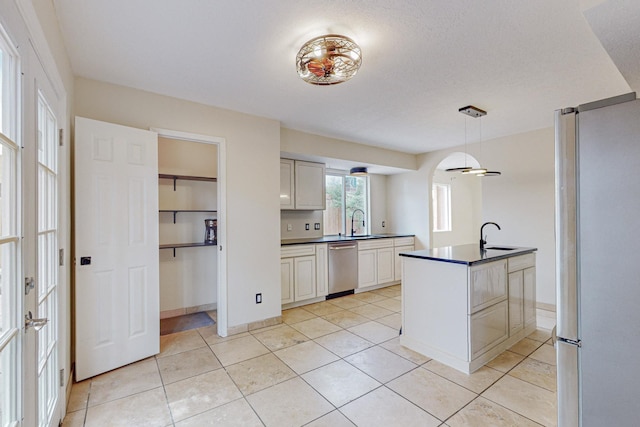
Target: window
(441, 195)
(346, 194)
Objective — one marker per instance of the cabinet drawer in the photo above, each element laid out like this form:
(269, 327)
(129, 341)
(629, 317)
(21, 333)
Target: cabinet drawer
(521, 262)
(487, 285)
(487, 328)
(297, 250)
(403, 241)
(375, 244)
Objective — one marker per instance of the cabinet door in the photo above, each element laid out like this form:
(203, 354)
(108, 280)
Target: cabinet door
(322, 271)
(286, 184)
(304, 272)
(367, 268)
(529, 275)
(398, 261)
(286, 280)
(488, 328)
(487, 285)
(516, 299)
(385, 261)
(309, 186)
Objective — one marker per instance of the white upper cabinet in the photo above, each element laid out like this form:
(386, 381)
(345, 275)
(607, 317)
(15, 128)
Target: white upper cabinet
(286, 184)
(310, 186)
(302, 185)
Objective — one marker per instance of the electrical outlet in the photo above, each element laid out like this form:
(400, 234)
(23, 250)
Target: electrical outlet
(383, 224)
(316, 226)
(289, 227)
(306, 227)
(258, 298)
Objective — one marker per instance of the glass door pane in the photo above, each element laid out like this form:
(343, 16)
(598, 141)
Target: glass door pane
(10, 337)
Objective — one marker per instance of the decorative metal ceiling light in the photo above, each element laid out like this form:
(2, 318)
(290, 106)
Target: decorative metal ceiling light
(474, 112)
(328, 60)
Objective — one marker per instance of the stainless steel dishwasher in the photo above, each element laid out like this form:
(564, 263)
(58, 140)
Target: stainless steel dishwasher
(343, 268)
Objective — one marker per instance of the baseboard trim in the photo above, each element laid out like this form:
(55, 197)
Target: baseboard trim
(545, 306)
(187, 310)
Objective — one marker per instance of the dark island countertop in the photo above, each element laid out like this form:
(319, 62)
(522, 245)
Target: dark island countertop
(469, 254)
(332, 239)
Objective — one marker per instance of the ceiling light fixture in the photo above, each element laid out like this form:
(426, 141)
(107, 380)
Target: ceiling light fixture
(474, 112)
(328, 60)
(358, 171)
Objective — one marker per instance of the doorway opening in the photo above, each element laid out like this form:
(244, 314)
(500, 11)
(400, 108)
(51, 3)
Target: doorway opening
(191, 197)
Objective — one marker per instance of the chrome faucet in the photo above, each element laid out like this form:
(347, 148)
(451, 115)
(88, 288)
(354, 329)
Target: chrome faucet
(353, 230)
(484, 241)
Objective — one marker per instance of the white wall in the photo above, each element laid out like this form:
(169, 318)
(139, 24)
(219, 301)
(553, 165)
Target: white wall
(378, 203)
(253, 182)
(293, 141)
(521, 200)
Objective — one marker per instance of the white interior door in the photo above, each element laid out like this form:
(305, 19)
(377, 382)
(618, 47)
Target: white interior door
(117, 314)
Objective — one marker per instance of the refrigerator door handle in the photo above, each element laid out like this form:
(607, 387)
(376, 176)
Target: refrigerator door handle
(566, 223)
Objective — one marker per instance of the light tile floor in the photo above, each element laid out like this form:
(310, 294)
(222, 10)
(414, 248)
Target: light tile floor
(334, 363)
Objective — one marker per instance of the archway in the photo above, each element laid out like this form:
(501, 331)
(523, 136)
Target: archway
(456, 202)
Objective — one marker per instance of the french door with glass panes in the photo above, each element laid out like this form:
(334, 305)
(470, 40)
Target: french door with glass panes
(43, 399)
(30, 393)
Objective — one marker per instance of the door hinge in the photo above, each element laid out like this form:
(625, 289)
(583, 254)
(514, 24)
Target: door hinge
(61, 257)
(62, 377)
(61, 136)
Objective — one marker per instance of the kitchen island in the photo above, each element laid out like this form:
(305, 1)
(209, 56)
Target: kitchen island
(463, 306)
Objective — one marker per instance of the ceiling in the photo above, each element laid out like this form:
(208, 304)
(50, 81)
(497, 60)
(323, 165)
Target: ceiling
(422, 60)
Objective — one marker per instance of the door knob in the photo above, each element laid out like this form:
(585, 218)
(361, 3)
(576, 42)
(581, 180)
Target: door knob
(30, 322)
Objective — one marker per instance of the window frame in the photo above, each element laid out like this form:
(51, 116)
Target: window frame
(346, 228)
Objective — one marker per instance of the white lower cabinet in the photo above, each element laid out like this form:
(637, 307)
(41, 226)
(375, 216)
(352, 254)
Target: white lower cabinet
(522, 293)
(303, 272)
(304, 277)
(488, 328)
(367, 268)
(516, 300)
(322, 270)
(529, 302)
(385, 264)
(379, 261)
(286, 279)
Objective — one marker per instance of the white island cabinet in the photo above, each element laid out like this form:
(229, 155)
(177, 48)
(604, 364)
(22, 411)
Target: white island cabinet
(463, 307)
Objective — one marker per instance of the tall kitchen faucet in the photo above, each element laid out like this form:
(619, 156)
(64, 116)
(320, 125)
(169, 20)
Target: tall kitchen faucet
(353, 230)
(482, 240)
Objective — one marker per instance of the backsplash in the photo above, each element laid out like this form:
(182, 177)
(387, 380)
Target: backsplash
(296, 220)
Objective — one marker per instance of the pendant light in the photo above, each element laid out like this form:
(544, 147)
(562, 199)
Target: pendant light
(474, 112)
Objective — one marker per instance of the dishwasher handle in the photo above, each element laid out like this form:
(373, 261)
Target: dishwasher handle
(337, 248)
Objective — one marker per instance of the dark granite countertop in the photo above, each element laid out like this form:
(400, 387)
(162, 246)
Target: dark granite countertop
(469, 254)
(331, 239)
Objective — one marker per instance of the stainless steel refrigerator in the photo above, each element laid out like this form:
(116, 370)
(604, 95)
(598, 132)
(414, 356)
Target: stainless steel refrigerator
(598, 263)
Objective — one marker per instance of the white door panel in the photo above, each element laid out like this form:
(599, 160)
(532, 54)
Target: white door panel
(117, 294)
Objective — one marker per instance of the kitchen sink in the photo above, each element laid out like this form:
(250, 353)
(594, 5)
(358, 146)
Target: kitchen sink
(499, 248)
